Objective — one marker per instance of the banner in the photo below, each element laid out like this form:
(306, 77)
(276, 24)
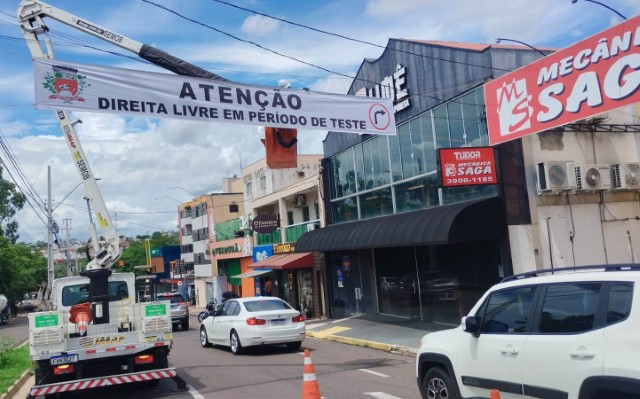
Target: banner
(593, 76)
(72, 86)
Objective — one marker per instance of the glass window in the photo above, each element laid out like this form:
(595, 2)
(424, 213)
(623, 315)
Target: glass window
(289, 218)
(456, 124)
(406, 156)
(345, 210)
(376, 203)
(417, 194)
(396, 161)
(305, 214)
(343, 168)
(360, 171)
(429, 152)
(471, 121)
(263, 183)
(80, 293)
(417, 151)
(620, 296)
(441, 126)
(368, 166)
(271, 304)
(380, 161)
(454, 195)
(507, 311)
(569, 308)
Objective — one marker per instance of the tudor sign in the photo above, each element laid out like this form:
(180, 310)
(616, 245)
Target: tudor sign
(467, 166)
(593, 76)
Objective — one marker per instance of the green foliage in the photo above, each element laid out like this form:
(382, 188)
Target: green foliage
(11, 201)
(13, 362)
(21, 269)
(136, 253)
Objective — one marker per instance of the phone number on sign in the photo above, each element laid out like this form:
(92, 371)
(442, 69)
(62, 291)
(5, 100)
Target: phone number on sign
(469, 180)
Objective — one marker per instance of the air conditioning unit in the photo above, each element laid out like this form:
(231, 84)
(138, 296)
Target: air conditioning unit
(593, 177)
(625, 176)
(299, 201)
(556, 177)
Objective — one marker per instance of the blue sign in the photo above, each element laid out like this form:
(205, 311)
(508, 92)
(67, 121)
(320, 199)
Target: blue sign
(261, 252)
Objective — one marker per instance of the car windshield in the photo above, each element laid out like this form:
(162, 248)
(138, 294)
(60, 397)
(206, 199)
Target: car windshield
(271, 304)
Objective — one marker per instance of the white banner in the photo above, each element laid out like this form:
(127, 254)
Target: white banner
(72, 86)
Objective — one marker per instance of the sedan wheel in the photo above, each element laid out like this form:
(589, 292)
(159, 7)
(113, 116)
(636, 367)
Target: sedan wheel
(234, 343)
(204, 340)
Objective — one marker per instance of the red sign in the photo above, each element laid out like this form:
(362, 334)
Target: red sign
(593, 76)
(467, 166)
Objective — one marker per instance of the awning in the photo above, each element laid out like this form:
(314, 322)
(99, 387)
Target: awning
(286, 261)
(253, 273)
(465, 221)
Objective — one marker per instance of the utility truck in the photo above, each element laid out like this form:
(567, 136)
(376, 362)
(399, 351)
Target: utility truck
(95, 330)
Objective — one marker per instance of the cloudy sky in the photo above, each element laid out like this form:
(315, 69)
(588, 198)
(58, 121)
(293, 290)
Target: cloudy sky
(140, 161)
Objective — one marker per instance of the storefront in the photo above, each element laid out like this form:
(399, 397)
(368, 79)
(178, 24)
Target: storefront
(398, 240)
(290, 276)
(233, 258)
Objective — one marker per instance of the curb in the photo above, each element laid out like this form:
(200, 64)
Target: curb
(367, 344)
(13, 389)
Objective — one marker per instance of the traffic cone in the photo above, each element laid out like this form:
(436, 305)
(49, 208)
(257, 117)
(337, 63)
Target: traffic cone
(495, 394)
(80, 314)
(310, 388)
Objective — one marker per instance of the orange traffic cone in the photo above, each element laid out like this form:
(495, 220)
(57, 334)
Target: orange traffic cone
(80, 314)
(495, 394)
(310, 388)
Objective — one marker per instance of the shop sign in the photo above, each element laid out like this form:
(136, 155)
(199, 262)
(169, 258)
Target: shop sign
(393, 86)
(593, 76)
(230, 249)
(467, 166)
(283, 248)
(265, 224)
(262, 252)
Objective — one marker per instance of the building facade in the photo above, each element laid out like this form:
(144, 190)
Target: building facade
(399, 242)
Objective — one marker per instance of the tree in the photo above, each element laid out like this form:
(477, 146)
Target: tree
(136, 254)
(21, 269)
(11, 201)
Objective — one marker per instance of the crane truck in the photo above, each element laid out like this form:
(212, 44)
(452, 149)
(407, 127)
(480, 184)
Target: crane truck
(95, 330)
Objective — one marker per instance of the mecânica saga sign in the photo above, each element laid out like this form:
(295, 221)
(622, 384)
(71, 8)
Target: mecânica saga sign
(593, 76)
(467, 166)
(72, 86)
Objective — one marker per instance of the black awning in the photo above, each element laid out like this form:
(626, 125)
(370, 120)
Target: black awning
(465, 221)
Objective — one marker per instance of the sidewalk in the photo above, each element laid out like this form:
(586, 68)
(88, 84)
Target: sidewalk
(389, 333)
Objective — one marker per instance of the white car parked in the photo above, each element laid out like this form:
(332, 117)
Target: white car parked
(253, 321)
(570, 333)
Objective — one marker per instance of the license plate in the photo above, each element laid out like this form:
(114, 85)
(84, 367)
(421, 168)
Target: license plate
(277, 322)
(64, 359)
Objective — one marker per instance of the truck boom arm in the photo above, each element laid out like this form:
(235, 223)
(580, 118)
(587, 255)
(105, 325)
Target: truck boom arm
(30, 16)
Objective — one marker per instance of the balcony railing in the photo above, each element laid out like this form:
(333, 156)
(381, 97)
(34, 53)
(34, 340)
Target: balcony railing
(293, 232)
(271, 238)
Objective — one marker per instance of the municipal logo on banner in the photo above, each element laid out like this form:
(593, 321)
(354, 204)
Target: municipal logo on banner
(65, 84)
(593, 76)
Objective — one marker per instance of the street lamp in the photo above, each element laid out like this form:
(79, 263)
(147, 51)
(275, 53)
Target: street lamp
(603, 5)
(502, 39)
(183, 189)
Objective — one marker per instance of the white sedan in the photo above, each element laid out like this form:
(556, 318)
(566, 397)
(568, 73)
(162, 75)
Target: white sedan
(243, 322)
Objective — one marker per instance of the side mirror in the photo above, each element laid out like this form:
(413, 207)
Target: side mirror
(472, 325)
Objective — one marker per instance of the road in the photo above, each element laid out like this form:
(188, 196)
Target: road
(342, 371)
(17, 330)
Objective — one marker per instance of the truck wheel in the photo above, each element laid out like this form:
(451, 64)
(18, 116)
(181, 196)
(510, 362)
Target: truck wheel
(438, 385)
(204, 340)
(234, 343)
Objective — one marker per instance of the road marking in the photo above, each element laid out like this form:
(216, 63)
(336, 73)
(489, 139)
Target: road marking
(381, 395)
(330, 331)
(339, 320)
(374, 373)
(315, 325)
(195, 394)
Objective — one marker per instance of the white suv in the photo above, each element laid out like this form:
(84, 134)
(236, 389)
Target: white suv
(570, 333)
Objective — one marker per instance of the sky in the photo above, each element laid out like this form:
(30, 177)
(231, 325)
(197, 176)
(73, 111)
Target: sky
(147, 166)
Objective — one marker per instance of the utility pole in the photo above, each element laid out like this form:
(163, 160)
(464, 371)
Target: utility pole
(50, 271)
(67, 228)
